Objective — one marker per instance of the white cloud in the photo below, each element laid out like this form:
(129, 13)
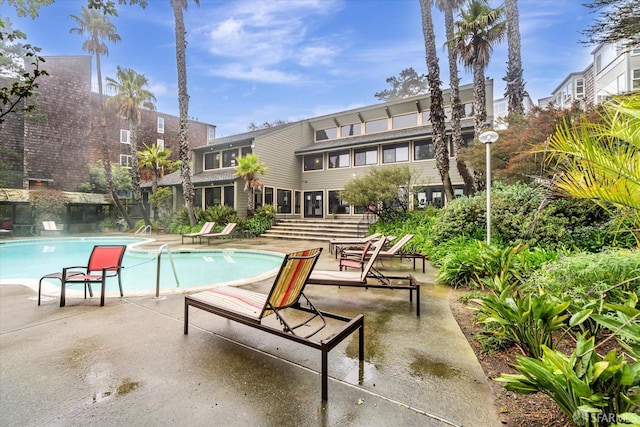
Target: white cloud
(242, 71)
(259, 39)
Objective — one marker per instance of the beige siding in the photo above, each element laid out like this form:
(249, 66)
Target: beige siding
(277, 152)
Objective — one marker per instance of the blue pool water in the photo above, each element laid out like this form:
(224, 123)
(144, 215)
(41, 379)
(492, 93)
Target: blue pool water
(32, 259)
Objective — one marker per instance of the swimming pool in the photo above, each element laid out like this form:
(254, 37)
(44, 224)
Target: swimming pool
(32, 259)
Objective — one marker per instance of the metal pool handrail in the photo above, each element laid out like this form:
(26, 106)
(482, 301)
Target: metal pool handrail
(173, 267)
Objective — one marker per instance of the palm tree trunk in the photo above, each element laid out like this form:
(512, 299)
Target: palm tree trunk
(515, 91)
(479, 99)
(183, 104)
(437, 109)
(105, 151)
(135, 171)
(456, 107)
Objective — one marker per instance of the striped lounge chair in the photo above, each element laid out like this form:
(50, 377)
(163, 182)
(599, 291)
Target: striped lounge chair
(250, 308)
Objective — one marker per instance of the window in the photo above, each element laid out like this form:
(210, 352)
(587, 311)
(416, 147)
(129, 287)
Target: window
(468, 109)
(339, 159)
(211, 160)
(395, 153)
(245, 150)
(423, 150)
(350, 130)
(635, 51)
(284, 201)
(404, 121)
(365, 156)
(212, 196)
(313, 162)
(635, 79)
(229, 158)
(426, 117)
(337, 206)
(125, 160)
(378, 125)
(323, 134)
(579, 88)
(160, 124)
(447, 113)
(160, 144)
(268, 196)
(211, 133)
(499, 108)
(228, 195)
(124, 136)
(419, 197)
(436, 198)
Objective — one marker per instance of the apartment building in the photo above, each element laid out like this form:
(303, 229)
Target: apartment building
(614, 69)
(53, 146)
(311, 160)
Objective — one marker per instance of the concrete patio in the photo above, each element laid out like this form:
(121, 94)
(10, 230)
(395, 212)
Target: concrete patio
(129, 363)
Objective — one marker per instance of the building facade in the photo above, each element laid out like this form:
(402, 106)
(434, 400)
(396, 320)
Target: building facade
(614, 69)
(311, 160)
(54, 146)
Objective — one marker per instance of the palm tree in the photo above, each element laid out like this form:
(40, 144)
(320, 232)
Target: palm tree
(183, 104)
(601, 161)
(248, 168)
(447, 7)
(437, 110)
(130, 96)
(514, 92)
(98, 27)
(155, 160)
(480, 28)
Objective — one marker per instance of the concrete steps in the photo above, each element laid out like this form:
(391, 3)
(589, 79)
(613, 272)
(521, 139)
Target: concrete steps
(317, 229)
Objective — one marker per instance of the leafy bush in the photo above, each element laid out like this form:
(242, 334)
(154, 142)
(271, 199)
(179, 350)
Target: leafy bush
(527, 318)
(583, 385)
(48, 205)
(261, 221)
(220, 214)
(468, 262)
(418, 223)
(563, 223)
(584, 274)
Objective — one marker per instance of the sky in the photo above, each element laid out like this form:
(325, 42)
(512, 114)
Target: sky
(256, 61)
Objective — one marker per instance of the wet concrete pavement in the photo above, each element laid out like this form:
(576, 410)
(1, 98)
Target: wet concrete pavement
(129, 363)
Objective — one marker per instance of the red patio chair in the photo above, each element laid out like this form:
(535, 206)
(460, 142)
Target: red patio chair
(105, 261)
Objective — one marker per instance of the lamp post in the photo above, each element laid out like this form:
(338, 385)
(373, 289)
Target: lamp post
(487, 138)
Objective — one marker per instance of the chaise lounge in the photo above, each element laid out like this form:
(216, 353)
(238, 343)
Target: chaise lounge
(251, 308)
(206, 228)
(226, 231)
(393, 252)
(360, 278)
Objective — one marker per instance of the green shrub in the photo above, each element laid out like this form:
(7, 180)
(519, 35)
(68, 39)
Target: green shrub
(583, 274)
(584, 385)
(527, 318)
(418, 223)
(515, 218)
(455, 259)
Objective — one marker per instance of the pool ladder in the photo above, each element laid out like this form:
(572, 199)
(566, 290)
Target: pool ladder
(173, 267)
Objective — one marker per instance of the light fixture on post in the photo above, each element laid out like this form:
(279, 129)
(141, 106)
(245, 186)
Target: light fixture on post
(487, 138)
